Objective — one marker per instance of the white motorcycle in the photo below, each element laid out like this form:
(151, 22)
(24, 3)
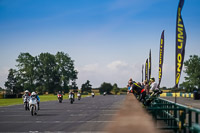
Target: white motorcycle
(26, 102)
(33, 106)
(92, 94)
(79, 96)
(71, 98)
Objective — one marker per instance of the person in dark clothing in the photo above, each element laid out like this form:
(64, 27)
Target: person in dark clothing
(136, 88)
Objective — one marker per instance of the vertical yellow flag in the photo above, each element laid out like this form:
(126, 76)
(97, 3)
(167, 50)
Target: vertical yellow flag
(180, 42)
(161, 55)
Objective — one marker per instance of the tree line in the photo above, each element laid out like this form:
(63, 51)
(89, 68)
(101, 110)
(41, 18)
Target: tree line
(192, 69)
(105, 87)
(51, 73)
(43, 73)
(48, 73)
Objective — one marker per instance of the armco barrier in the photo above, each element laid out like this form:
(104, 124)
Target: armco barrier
(177, 117)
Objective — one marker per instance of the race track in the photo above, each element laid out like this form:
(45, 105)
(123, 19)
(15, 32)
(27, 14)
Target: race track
(87, 115)
(190, 102)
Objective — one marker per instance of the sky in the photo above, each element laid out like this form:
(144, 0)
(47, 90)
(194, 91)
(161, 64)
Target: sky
(108, 40)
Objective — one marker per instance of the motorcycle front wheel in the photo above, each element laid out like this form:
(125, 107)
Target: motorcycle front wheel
(71, 101)
(60, 101)
(32, 110)
(26, 106)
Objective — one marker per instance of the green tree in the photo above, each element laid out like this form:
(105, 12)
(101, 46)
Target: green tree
(26, 70)
(73, 86)
(87, 87)
(65, 69)
(45, 72)
(192, 69)
(115, 89)
(105, 87)
(12, 84)
(123, 89)
(187, 86)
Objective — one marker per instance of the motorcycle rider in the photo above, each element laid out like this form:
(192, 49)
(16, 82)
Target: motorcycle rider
(79, 95)
(72, 93)
(34, 94)
(27, 96)
(92, 94)
(60, 93)
(26, 93)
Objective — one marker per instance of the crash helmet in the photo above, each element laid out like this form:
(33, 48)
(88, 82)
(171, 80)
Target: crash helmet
(26, 91)
(33, 94)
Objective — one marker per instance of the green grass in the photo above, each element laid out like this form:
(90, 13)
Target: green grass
(10, 101)
(43, 98)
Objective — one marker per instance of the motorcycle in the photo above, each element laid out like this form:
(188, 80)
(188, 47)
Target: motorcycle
(60, 98)
(92, 95)
(71, 98)
(79, 96)
(26, 102)
(104, 93)
(33, 106)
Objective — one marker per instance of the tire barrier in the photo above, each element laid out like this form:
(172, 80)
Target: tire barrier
(186, 95)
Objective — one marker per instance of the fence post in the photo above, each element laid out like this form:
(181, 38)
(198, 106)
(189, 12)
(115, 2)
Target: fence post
(190, 120)
(197, 118)
(175, 117)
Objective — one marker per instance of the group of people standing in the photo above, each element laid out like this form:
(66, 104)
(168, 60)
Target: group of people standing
(141, 90)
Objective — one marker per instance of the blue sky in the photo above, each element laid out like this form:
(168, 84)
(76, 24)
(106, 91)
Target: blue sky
(108, 39)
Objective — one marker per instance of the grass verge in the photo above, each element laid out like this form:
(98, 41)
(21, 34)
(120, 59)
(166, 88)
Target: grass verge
(43, 98)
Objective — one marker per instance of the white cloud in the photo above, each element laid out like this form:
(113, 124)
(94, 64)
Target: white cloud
(115, 72)
(90, 67)
(116, 65)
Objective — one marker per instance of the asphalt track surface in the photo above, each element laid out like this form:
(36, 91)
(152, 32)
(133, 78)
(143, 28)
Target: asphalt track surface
(87, 115)
(190, 102)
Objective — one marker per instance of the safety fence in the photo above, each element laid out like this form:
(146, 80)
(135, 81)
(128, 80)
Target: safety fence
(177, 117)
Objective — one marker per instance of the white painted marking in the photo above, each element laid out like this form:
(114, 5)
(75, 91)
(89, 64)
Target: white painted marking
(33, 131)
